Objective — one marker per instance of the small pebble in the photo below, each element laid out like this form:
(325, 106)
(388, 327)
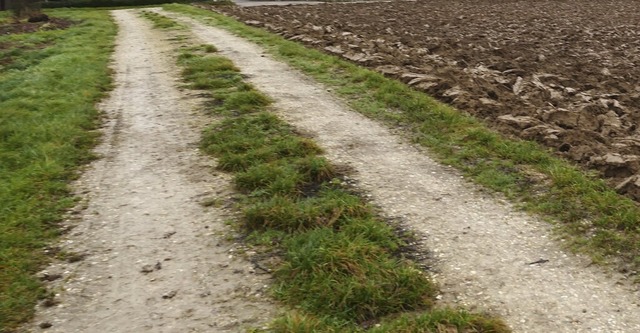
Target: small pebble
(170, 294)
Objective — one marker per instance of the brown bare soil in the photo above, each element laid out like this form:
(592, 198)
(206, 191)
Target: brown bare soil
(563, 73)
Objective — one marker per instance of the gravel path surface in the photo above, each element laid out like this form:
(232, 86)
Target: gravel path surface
(155, 258)
(490, 257)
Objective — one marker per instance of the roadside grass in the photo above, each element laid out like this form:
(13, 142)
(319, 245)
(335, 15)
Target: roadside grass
(341, 262)
(47, 96)
(591, 216)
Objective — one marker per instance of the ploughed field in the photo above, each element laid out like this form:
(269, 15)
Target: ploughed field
(563, 73)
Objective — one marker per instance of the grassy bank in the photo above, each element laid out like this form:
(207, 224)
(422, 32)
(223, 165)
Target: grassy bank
(591, 216)
(49, 82)
(342, 268)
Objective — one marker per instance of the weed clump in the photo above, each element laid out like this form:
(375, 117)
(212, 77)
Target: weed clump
(328, 209)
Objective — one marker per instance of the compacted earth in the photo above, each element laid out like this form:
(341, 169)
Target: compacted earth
(563, 73)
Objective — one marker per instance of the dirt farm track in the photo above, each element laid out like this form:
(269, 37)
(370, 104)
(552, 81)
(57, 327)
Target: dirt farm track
(563, 73)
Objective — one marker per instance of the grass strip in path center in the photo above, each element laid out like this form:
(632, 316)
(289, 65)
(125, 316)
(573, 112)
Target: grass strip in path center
(342, 268)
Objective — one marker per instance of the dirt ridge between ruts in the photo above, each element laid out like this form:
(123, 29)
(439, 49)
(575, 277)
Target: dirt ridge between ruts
(155, 259)
(488, 254)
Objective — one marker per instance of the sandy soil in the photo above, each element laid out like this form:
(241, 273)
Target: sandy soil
(154, 257)
(155, 260)
(489, 256)
(563, 73)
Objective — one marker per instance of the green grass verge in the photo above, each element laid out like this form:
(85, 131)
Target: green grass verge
(47, 96)
(341, 262)
(592, 216)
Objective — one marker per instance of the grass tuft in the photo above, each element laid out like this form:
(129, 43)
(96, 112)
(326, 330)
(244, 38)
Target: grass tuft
(300, 322)
(365, 281)
(330, 208)
(441, 320)
(259, 138)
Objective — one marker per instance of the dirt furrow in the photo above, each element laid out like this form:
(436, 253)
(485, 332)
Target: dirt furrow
(155, 259)
(489, 256)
